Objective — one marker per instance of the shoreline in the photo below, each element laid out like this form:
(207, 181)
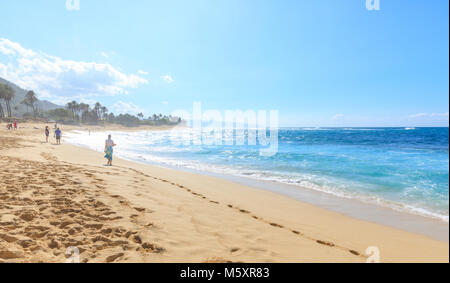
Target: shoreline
(436, 228)
(405, 220)
(199, 218)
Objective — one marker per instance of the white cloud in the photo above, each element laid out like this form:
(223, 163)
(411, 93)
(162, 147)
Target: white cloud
(104, 54)
(58, 79)
(338, 116)
(165, 102)
(141, 72)
(121, 107)
(168, 79)
(422, 115)
(439, 114)
(8, 47)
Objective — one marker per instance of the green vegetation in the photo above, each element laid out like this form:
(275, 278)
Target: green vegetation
(73, 113)
(6, 94)
(30, 101)
(76, 113)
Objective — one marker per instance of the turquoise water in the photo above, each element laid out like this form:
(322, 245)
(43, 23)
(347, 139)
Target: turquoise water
(404, 168)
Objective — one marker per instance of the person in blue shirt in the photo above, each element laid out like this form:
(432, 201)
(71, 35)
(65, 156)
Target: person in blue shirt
(58, 134)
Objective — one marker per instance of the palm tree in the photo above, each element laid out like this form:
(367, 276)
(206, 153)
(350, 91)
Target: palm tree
(69, 106)
(25, 102)
(84, 108)
(8, 94)
(31, 99)
(76, 108)
(2, 113)
(141, 116)
(97, 108)
(104, 111)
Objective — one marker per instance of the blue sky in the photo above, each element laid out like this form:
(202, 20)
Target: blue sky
(318, 62)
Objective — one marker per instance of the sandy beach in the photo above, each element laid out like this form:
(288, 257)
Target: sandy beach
(54, 197)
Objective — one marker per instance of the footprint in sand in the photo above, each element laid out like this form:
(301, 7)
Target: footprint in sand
(276, 225)
(113, 258)
(326, 243)
(152, 248)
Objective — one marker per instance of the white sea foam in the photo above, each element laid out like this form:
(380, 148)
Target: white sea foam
(146, 146)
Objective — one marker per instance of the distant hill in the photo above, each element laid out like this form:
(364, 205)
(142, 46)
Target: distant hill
(19, 109)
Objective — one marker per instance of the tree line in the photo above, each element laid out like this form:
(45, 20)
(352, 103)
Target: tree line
(75, 113)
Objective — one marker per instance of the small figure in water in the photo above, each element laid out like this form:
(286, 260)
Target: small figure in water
(109, 145)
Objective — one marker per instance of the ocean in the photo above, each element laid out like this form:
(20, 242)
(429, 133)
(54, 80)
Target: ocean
(406, 169)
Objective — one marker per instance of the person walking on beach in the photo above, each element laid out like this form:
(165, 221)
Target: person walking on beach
(58, 136)
(109, 144)
(15, 125)
(47, 134)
